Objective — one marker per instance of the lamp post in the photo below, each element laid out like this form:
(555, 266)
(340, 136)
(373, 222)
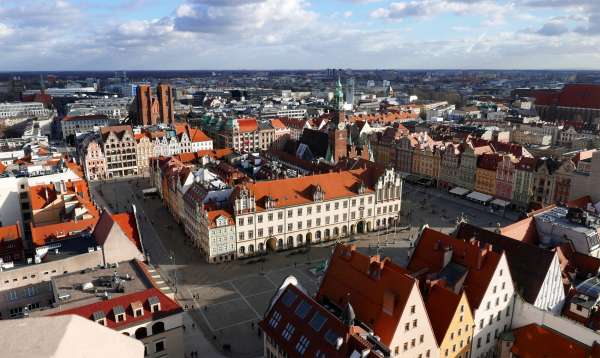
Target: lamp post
(172, 258)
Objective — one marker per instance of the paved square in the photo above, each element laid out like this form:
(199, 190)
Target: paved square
(214, 294)
(252, 285)
(229, 313)
(261, 301)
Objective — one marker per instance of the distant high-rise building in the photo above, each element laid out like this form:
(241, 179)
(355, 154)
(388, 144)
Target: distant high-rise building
(151, 109)
(350, 90)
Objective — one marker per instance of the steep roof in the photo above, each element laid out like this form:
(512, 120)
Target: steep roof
(488, 161)
(293, 300)
(128, 225)
(441, 304)
(524, 230)
(278, 124)
(528, 278)
(167, 308)
(533, 341)
(196, 135)
(366, 282)
(480, 262)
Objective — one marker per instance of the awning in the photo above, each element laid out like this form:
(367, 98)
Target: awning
(500, 202)
(481, 197)
(459, 191)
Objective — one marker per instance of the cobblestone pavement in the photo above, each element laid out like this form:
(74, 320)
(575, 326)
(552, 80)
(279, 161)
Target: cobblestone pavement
(227, 300)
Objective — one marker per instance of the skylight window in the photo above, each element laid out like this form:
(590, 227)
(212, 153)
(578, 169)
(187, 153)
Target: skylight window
(289, 297)
(317, 321)
(302, 309)
(331, 337)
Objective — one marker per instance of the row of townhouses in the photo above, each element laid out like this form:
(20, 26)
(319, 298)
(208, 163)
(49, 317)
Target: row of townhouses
(122, 151)
(227, 219)
(504, 171)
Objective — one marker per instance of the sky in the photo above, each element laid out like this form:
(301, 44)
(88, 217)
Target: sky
(298, 34)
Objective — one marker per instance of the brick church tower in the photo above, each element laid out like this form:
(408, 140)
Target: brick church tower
(338, 135)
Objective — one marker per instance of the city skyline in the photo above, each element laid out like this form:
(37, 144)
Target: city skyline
(296, 34)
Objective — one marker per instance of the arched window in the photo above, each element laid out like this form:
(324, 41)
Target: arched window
(290, 241)
(299, 240)
(158, 327)
(141, 333)
(242, 250)
(251, 249)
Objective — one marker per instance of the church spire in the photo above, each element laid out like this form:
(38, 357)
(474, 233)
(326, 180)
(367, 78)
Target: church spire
(338, 95)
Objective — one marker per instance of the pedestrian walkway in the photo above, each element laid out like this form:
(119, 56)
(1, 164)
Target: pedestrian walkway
(160, 282)
(195, 341)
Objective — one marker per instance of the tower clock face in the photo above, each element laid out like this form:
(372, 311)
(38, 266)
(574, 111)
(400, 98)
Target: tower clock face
(341, 126)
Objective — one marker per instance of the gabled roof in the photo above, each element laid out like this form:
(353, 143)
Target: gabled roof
(367, 282)
(441, 304)
(127, 223)
(167, 307)
(528, 278)
(119, 131)
(196, 135)
(325, 332)
(278, 124)
(480, 262)
(488, 161)
(524, 230)
(533, 341)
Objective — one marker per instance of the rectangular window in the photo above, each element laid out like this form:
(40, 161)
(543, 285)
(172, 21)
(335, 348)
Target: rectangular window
(299, 225)
(270, 217)
(241, 236)
(345, 204)
(241, 221)
(289, 213)
(290, 227)
(336, 205)
(318, 221)
(318, 209)
(270, 230)
(327, 220)
(344, 217)
(159, 346)
(259, 219)
(280, 229)
(288, 331)
(299, 211)
(259, 233)
(250, 221)
(280, 215)
(308, 210)
(353, 202)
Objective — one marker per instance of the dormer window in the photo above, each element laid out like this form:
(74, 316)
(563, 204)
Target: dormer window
(361, 188)
(99, 317)
(318, 194)
(269, 203)
(119, 313)
(137, 308)
(154, 304)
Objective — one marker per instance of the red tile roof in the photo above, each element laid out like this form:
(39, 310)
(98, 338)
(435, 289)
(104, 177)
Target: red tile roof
(296, 191)
(368, 283)
(46, 234)
(278, 124)
(196, 135)
(128, 224)
(524, 230)
(10, 233)
(44, 194)
(533, 341)
(247, 124)
(428, 258)
(488, 161)
(167, 307)
(2, 168)
(441, 304)
(213, 215)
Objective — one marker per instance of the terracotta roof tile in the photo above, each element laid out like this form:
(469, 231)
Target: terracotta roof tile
(196, 135)
(533, 341)
(46, 234)
(128, 224)
(167, 307)
(481, 263)
(247, 124)
(10, 233)
(366, 281)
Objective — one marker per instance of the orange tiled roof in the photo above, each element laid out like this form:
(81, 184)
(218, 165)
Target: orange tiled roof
(367, 282)
(43, 235)
(44, 194)
(9, 233)
(524, 230)
(247, 124)
(2, 168)
(278, 124)
(297, 191)
(196, 135)
(428, 257)
(533, 341)
(128, 224)
(214, 214)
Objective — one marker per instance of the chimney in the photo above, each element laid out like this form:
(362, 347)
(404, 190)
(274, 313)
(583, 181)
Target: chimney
(481, 255)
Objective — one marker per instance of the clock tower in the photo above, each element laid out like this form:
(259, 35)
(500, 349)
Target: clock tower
(338, 135)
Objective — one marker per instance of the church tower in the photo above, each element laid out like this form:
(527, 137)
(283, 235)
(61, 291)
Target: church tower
(338, 135)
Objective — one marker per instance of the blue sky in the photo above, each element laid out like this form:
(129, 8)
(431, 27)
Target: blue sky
(282, 34)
